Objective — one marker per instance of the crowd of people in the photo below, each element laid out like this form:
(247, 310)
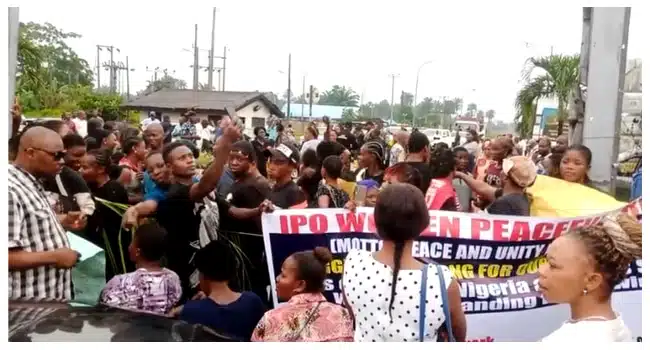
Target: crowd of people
(172, 252)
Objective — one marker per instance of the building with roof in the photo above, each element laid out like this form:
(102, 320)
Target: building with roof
(299, 110)
(254, 107)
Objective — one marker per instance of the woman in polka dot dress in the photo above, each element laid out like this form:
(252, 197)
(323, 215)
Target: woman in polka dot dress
(383, 288)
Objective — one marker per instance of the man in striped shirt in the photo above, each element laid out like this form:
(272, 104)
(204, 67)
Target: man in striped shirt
(40, 257)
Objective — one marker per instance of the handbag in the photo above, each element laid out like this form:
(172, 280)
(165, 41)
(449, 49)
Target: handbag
(423, 301)
(310, 317)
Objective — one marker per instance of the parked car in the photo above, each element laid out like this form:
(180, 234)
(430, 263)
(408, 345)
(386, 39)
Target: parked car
(57, 322)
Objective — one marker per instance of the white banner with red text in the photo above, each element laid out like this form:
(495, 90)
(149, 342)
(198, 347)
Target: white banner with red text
(494, 258)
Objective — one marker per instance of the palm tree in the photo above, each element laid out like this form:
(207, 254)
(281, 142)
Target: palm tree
(560, 75)
(339, 96)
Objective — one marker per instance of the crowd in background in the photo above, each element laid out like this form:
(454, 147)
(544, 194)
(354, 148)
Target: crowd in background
(166, 254)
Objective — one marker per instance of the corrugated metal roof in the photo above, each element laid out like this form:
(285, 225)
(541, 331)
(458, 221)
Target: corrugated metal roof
(201, 100)
(317, 111)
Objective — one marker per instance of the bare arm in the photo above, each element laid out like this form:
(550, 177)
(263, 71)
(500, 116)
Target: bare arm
(483, 189)
(458, 321)
(24, 260)
(211, 176)
(324, 201)
(244, 213)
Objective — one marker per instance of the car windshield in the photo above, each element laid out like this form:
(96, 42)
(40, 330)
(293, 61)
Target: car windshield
(431, 132)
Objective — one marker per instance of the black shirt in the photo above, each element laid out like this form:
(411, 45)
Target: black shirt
(515, 204)
(259, 154)
(62, 188)
(287, 195)
(106, 224)
(250, 193)
(181, 217)
(425, 173)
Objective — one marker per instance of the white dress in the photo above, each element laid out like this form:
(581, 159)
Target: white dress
(367, 286)
(591, 332)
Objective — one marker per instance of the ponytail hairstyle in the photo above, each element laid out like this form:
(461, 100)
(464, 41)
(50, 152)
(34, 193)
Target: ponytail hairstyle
(400, 216)
(613, 245)
(312, 268)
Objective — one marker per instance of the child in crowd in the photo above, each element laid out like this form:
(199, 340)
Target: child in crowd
(223, 309)
(329, 194)
(150, 287)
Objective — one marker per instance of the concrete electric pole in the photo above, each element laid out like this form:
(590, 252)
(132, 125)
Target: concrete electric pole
(605, 76)
(211, 61)
(195, 84)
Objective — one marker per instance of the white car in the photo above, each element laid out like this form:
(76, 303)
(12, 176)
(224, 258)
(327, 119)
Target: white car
(439, 135)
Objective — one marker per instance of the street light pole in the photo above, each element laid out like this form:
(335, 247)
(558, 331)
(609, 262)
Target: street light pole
(392, 97)
(415, 95)
(289, 89)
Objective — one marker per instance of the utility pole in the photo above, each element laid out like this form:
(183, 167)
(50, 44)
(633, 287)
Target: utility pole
(288, 88)
(606, 76)
(211, 61)
(112, 76)
(302, 105)
(14, 25)
(311, 98)
(223, 68)
(99, 85)
(195, 84)
(128, 85)
(392, 96)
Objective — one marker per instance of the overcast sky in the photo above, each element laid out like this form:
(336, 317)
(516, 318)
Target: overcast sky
(477, 51)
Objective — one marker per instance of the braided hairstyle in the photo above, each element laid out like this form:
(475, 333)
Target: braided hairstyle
(443, 161)
(613, 245)
(400, 215)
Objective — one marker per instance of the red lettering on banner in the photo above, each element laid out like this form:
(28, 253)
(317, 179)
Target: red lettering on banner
(499, 229)
(520, 231)
(542, 231)
(371, 224)
(448, 227)
(559, 228)
(351, 222)
(575, 224)
(284, 224)
(295, 222)
(318, 223)
(479, 226)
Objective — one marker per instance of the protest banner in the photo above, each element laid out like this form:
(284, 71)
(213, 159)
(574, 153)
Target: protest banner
(495, 259)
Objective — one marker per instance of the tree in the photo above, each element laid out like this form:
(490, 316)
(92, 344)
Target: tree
(471, 108)
(367, 110)
(339, 96)
(559, 76)
(424, 107)
(348, 114)
(59, 62)
(166, 82)
(382, 109)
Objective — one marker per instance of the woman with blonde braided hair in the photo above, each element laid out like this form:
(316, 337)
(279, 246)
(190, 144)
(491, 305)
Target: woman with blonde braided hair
(583, 268)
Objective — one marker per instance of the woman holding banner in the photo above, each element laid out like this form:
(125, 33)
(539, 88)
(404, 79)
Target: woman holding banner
(393, 296)
(583, 268)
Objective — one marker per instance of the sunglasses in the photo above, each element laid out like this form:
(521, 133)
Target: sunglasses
(56, 155)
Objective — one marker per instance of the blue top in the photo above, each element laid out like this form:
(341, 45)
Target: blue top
(153, 191)
(237, 319)
(635, 190)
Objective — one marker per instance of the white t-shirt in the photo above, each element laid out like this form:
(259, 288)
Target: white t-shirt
(367, 286)
(311, 144)
(591, 332)
(82, 126)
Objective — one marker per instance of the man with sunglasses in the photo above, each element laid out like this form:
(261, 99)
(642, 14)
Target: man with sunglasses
(40, 257)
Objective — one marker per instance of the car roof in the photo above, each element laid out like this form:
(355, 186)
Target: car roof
(47, 322)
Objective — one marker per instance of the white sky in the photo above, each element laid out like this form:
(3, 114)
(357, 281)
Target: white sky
(478, 50)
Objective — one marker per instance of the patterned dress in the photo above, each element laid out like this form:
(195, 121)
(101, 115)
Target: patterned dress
(143, 290)
(292, 322)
